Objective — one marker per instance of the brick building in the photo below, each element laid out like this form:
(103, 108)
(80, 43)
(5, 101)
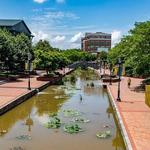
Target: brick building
(96, 42)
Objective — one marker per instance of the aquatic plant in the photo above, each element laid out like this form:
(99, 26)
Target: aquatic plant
(104, 135)
(71, 113)
(54, 123)
(24, 137)
(72, 128)
(17, 148)
(80, 120)
(59, 82)
(73, 79)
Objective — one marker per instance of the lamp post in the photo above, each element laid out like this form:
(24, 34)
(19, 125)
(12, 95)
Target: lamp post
(110, 68)
(104, 66)
(100, 65)
(119, 74)
(7, 65)
(29, 68)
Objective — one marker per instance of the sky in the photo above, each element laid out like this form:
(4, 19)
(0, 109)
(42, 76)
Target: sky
(64, 22)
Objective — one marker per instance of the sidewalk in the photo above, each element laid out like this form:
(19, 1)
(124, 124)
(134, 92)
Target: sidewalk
(10, 91)
(134, 112)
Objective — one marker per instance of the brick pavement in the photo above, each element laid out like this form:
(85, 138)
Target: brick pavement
(134, 112)
(9, 91)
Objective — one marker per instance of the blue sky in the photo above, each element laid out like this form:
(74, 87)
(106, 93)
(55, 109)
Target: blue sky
(63, 22)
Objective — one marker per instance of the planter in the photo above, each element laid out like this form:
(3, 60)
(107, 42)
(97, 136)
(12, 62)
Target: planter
(44, 78)
(13, 77)
(112, 79)
(9, 77)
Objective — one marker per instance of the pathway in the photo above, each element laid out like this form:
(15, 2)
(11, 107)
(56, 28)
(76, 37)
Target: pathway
(134, 112)
(10, 91)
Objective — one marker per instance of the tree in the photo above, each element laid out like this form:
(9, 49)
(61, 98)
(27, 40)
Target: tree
(134, 49)
(22, 46)
(14, 50)
(6, 48)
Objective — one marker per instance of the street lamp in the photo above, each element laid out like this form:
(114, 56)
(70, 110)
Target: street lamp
(7, 66)
(100, 66)
(119, 74)
(110, 68)
(104, 62)
(29, 68)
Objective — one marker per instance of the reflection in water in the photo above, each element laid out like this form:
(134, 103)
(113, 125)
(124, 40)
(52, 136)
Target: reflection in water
(35, 112)
(117, 142)
(19, 113)
(29, 123)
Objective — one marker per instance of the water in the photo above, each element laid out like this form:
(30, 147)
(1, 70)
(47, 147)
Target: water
(28, 119)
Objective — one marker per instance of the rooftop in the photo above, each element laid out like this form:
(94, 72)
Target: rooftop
(9, 22)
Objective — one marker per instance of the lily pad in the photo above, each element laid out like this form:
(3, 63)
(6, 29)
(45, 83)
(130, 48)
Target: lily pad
(54, 123)
(80, 120)
(24, 137)
(71, 113)
(17, 148)
(72, 128)
(104, 135)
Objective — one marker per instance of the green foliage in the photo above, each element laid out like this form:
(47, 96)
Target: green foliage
(80, 120)
(73, 79)
(71, 113)
(103, 55)
(50, 58)
(54, 123)
(104, 135)
(134, 49)
(14, 49)
(14, 52)
(72, 128)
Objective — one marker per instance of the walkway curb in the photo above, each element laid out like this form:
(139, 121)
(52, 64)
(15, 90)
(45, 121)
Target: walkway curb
(120, 122)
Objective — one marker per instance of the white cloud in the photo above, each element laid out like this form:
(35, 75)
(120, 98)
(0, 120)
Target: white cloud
(58, 39)
(75, 45)
(40, 1)
(60, 15)
(40, 35)
(76, 38)
(116, 36)
(60, 1)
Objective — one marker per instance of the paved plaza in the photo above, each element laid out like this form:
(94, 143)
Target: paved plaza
(134, 112)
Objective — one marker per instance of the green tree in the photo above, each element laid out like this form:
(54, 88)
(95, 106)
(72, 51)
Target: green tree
(134, 49)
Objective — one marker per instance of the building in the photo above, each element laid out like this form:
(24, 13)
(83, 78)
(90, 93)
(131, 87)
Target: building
(15, 26)
(96, 42)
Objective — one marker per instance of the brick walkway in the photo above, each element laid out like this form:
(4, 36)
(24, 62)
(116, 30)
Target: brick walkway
(11, 90)
(134, 112)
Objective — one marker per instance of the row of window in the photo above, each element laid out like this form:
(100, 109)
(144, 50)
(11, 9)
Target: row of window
(101, 37)
(99, 43)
